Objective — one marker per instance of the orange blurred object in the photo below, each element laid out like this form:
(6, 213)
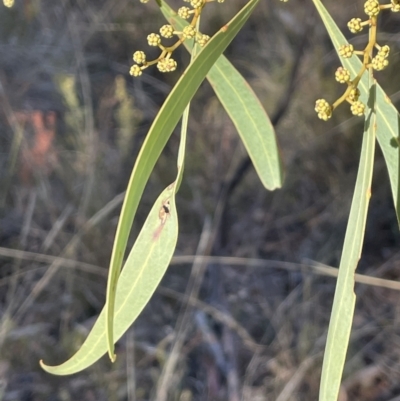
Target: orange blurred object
(38, 155)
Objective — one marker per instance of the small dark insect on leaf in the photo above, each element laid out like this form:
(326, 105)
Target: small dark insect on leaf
(164, 212)
(163, 216)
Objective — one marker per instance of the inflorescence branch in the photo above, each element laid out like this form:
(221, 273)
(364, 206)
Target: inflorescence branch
(165, 63)
(373, 56)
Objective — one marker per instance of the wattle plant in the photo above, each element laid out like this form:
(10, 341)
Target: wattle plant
(130, 288)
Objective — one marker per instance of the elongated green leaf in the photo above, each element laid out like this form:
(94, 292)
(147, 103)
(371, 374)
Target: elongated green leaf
(156, 139)
(251, 122)
(143, 271)
(152, 251)
(387, 117)
(245, 111)
(344, 300)
(101, 337)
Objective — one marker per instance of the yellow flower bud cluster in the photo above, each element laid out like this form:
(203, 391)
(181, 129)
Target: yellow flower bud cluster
(202, 39)
(166, 65)
(8, 3)
(164, 62)
(379, 62)
(371, 8)
(395, 6)
(356, 25)
(324, 109)
(357, 108)
(342, 75)
(346, 51)
(373, 56)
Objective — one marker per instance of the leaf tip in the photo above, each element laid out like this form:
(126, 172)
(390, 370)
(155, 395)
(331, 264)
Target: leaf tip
(44, 366)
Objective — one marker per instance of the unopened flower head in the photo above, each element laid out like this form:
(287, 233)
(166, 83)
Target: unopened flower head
(384, 51)
(135, 71)
(8, 3)
(196, 3)
(353, 95)
(202, 39)
(167, 65)
(167, 31)
(153, 39)
(379, 63)
(354, 25)
(342, 75)
(346, 51)
(139, 57)
(357, 108)
(189, 32)
(371, 8)
(324, 109)
(395, 7)
(184, 12)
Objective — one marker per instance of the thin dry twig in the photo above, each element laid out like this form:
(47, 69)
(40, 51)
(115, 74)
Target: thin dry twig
(311, 267)
(295, 380)
(217, 314)
(68, 250)
(192, 290)
(130, 366)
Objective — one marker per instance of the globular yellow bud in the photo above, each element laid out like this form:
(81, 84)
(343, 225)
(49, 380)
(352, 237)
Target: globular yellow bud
(153, 39)
(8, 3)
(167, 65)
(379, 63)
(184, 12)
(357, 108)
(354, 25)
(384, 51)
(395, 7)
(139, 57)
(353, 95)
(189, 32)
(167, 31)
(346, 51)
(371, 8)
(135, 71)
(202, 39)
(196, 3)
(342, 75)
(324, 109)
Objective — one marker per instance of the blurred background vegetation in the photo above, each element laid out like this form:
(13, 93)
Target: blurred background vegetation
(72, 121)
